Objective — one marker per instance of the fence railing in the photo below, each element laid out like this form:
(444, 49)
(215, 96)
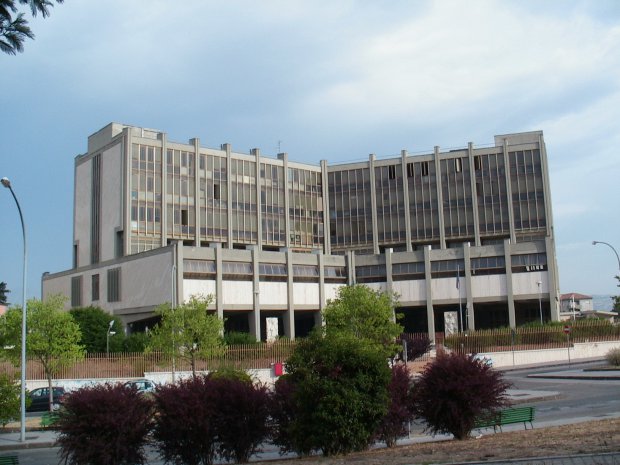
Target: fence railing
(532, 338)
(263, 355)
(133, 365)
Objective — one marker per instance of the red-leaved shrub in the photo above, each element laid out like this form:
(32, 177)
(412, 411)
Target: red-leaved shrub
(240, 418)
(456, 389)
(184, 424)
(417, 345)
(104, 425)
(400, 410)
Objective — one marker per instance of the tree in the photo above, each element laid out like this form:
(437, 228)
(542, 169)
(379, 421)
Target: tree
(14, 30)
(334, 395)
(3, 292)
(9, 400)
(456, 389)
(400, 410)
(188, 332)
(94, 324)
(616, 299)
(104, 425)
(364, 313)
(53, 337)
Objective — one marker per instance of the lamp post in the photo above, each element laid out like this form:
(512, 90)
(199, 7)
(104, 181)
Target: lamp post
(107, 341)
(611, 247)
(6, 183)
(540, 301)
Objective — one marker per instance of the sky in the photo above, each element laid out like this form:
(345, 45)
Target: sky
(318, 80)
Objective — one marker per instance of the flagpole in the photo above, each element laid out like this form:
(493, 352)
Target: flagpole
(458, 286)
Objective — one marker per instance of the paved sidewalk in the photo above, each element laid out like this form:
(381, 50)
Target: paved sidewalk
(612, 458)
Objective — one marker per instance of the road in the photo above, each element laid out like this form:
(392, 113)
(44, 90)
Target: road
(594, 399)
(597, 399)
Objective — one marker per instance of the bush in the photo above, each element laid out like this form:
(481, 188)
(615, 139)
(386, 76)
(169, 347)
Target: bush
(104, 425)
(213, 415)
(417, 345)
(9, 400)
(135, 342)
(185, 427)
(239, 338)
(240, 418)
(231, 374)
(613, 357)
(339, 394)
(282, 414)
(456, 389)
(400, 410)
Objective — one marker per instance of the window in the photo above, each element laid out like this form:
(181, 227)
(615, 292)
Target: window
(120, 244)
(392, 172)
(477, 163)
(94, 280)
(114, 285)
(424, 168)
(184, 218)
(410, 170)
(76, 291)
(216, 191)
(458, 165)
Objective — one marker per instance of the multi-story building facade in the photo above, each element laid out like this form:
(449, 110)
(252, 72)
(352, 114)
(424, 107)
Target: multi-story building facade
(467, 231)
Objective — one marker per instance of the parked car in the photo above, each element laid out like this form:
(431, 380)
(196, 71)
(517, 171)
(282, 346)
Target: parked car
(40, 399)
(142, 385)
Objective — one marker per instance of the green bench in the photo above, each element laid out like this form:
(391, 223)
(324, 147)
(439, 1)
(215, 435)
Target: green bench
(507, 416)
(9, 460)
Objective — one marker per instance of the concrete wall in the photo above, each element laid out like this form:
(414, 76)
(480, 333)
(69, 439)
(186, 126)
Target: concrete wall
(81, 217)
(111, 199)
(528, 357)
(198, 287)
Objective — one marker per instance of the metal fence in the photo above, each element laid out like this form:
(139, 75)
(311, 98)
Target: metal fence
(263, 355)
(532, 338)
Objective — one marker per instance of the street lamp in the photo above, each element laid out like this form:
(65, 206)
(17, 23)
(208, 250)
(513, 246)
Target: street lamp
(611, 247)
(540, 301)
(6, 183)
(107, 341)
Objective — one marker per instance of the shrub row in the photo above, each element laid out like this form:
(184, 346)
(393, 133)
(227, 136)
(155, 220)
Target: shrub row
(341, 405)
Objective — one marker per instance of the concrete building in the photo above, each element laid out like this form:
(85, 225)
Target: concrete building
(466, 232)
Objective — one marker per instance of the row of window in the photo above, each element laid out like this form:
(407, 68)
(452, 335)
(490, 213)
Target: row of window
(113, 288)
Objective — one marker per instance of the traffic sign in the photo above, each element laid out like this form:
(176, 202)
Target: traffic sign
(566, 329)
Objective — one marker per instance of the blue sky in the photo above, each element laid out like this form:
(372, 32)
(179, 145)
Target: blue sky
(324, 80)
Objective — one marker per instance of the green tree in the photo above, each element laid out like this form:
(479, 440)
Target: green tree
(53, 337)
(188, 332)
(616, 299)
(364, 313)
(336, 394)
(94, 324)
(14, 29)
(9, 400)
(3, 292)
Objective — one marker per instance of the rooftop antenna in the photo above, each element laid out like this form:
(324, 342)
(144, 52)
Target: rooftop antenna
(279, 146)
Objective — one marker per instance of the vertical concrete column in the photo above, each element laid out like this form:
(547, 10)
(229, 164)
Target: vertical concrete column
(430, 312)
(287, 200)
(164, 190)
(327, 247)
(471, 323)
(219, 297)
(373, 203)
(350, 258)
(512, 320)
(546, 188)
(403, 161)
(227, 148)
(289, 316)
(388, 269)
(126, 196)
(474, 192)
(197, 212)
(259, 209)
(511, 213)
(179, 272)
(552, 277)
(318, 317)
(254, 317)
(439, 184)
